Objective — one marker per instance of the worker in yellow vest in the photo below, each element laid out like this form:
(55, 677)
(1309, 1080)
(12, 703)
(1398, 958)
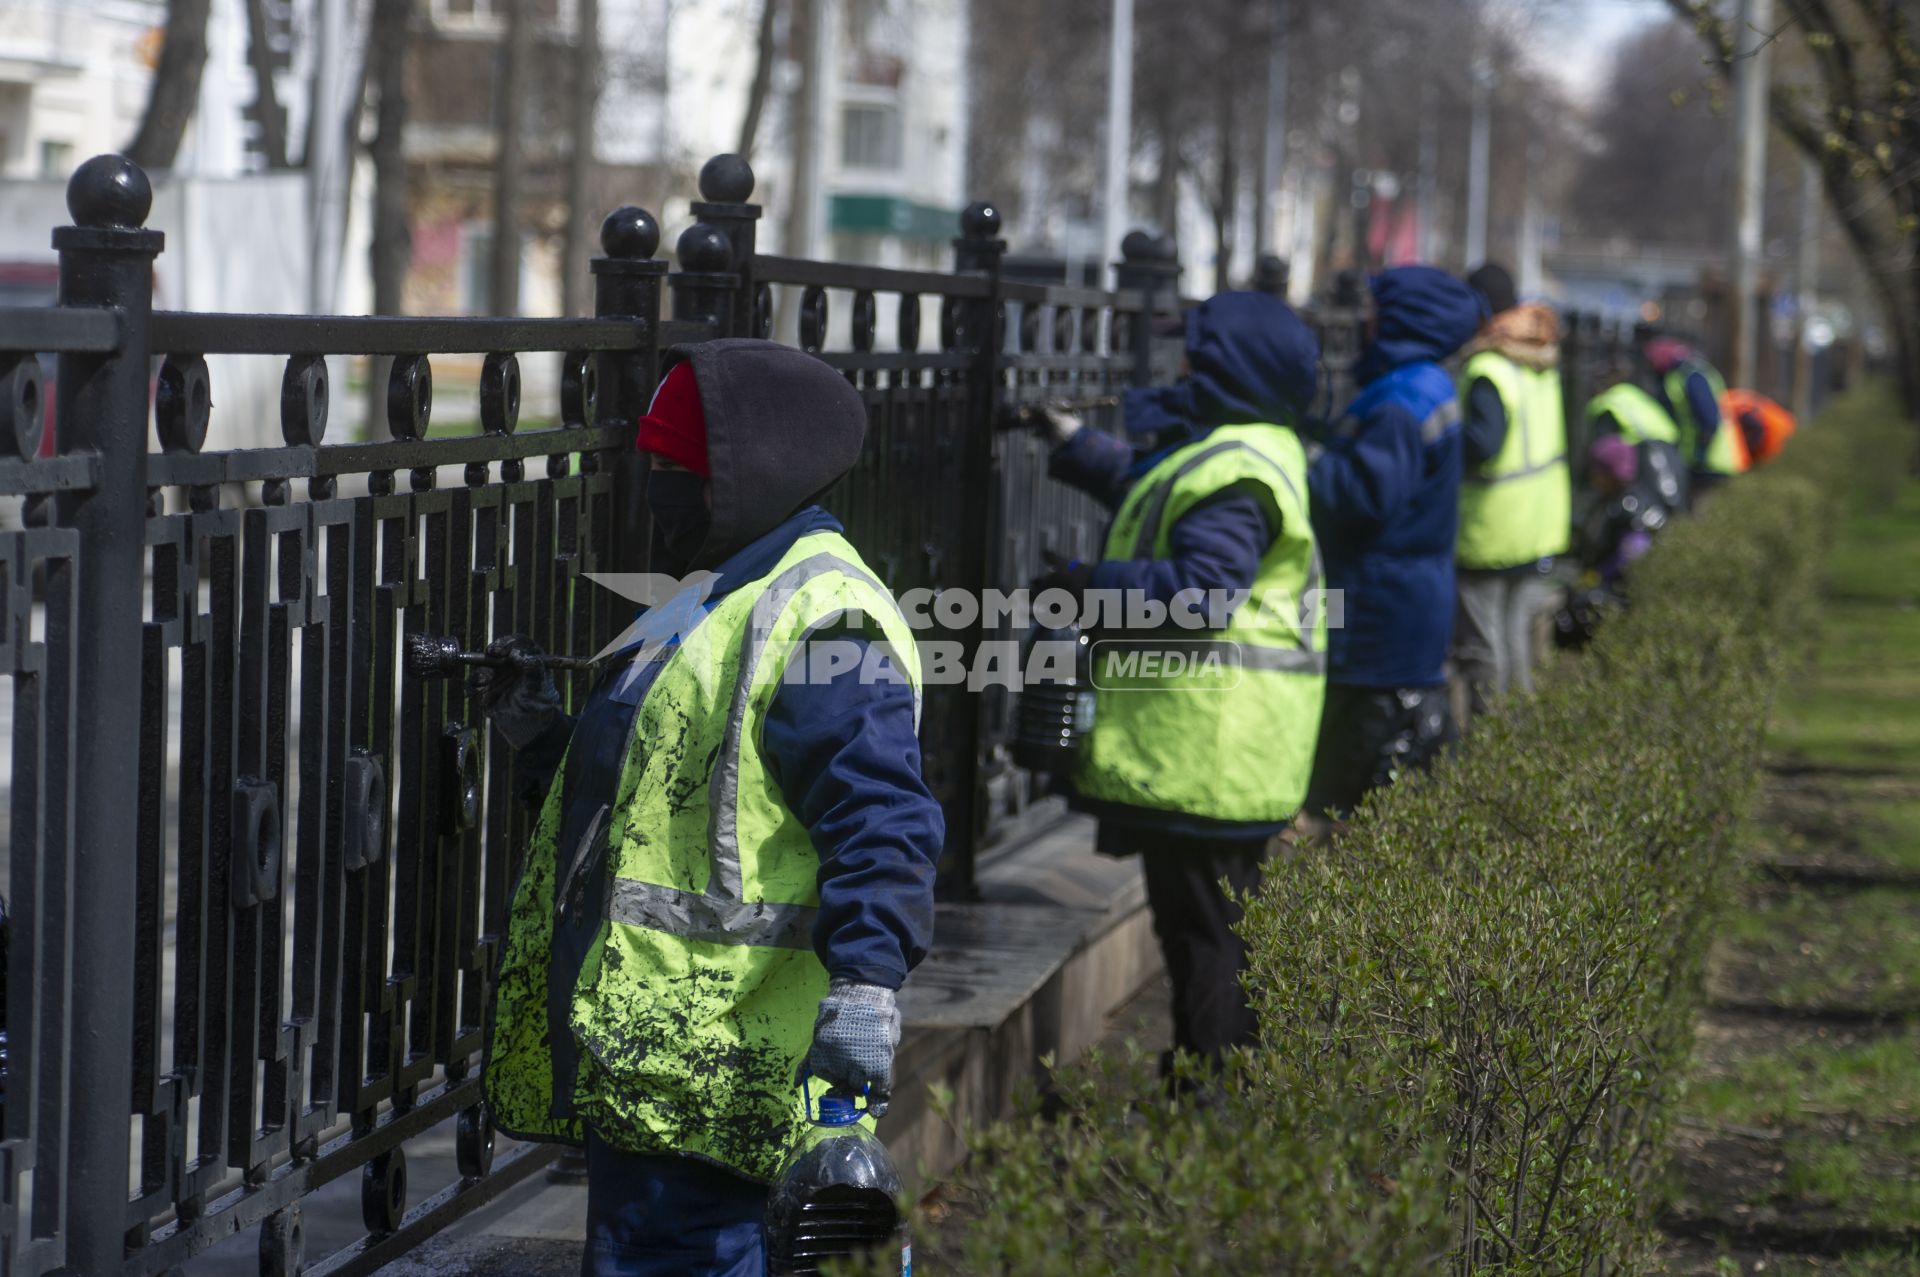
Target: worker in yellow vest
(1206, 712)
(1516, 502)
(1626, 410)
(732, 869)
(1691, 390)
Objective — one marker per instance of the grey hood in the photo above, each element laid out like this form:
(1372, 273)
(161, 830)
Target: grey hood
(781, 427)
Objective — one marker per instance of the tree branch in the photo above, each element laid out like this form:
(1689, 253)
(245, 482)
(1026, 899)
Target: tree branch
(175, 88)
(762, 80)
(267, 111)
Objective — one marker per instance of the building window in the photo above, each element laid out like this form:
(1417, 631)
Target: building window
(870, 135)
(467, 14)
(56, 159)
(556, 18)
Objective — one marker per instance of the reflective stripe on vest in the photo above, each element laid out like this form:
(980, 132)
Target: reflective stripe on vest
(1298, 659)
(720, 914)
(1640, 416)
(1184, 741)
(1517, 506)
(696, 1002)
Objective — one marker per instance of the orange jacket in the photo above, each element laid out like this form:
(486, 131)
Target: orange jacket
(1763, 426)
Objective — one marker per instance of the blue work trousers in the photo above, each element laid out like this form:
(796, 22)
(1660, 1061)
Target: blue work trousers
(657, 1215)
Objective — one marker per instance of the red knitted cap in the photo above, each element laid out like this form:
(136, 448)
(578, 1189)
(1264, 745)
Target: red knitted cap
(675, 426)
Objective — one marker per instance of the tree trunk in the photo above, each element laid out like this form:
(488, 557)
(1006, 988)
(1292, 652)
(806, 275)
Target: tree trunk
(762, 81)
(509, 163)
(1225, 199)
(267, 111)
(176, 86)
(575, 297)
(392, 242)
(1166, 179)
(798, 229)
(1339, 220)
(349, 122)
(1903, 317)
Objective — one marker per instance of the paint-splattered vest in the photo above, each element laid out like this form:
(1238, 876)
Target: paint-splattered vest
(696, 1002)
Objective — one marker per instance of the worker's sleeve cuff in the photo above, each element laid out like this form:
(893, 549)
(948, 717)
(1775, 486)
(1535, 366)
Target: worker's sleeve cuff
(890, 978)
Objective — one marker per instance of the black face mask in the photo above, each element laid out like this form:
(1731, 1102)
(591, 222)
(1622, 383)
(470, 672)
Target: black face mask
(677, 499)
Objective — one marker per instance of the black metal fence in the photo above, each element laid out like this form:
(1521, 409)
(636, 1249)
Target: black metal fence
(257, 872)
(1595, 352)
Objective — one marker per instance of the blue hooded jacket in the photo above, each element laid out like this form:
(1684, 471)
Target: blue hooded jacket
(1386, 491)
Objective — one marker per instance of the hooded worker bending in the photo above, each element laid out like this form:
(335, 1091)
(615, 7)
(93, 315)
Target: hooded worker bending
(732, 870)
(1197, 772)
(1691, 390)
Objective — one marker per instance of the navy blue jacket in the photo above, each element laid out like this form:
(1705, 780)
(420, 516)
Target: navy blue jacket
(1483, 428)
(1386, 491)
(1250, 360)
(848, 763)
(1216, 545)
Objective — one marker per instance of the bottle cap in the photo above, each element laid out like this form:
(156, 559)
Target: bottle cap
(837, 1110)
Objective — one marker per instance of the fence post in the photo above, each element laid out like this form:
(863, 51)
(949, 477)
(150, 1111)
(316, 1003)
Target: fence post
(1573, 379)
(703, 287)
(980, 329)
(106, 261)
(725, 183)
(1148, 264)
(626, 285)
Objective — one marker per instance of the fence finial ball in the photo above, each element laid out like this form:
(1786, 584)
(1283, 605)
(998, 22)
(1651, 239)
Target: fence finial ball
(1139, 246)
(109, 191)
(629, 231)
(726, 179)
(704, 248)
(980, 220)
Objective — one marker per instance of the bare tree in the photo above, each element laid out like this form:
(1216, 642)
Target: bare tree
(510, 161)
(176, 86)
(1843, 93)
(1653, 124)
(764, 56)
(1378, 95)
(581, 210)
(797, 227)
(268, 113)
(392, 248)
(1036, 69)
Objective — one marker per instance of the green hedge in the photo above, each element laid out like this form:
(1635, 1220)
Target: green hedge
(1477, 1003)
(1524, 930)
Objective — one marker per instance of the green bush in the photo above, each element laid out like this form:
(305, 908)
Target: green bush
(1277, 1173)
(1477, 1002)
(1527, 923)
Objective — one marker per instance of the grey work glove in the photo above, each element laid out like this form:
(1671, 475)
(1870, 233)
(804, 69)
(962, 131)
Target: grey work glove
(519, 699)
(853, 1041)
(1058, 425)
